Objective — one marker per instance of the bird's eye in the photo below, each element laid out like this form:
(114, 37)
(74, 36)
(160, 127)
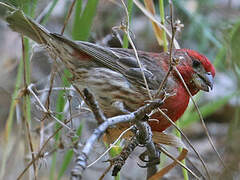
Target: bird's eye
(196, 63)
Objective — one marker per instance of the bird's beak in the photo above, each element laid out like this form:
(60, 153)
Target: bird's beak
(203, 81)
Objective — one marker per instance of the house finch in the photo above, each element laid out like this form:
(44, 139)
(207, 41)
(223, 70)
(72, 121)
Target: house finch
(113, 75)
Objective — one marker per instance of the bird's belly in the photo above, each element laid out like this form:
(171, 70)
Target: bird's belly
(116, 95)
(173, 107)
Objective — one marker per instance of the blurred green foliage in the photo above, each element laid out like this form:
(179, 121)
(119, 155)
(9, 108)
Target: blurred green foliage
(200, 32)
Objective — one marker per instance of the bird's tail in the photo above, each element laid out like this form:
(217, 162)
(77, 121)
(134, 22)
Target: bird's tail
(57, 45)
(22, 24)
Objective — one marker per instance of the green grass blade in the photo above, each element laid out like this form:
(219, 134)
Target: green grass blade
(69, 154)
(184, 171)
(234, 44)
(81, 31)
(83, 26)
(53, 166)
(66, 161)
(33, 8)
(45, 19)
(13, 102)
(129, 7)
(9, 122)
(220, 55)
(76, 30)
(59, 108)
(28, 78)
(197, 20)
(206, 110)
(162, 15)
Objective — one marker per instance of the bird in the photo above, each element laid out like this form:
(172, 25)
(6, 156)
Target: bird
(114, 75)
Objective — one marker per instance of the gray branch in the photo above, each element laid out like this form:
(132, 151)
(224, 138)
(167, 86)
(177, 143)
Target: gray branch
(144, 135)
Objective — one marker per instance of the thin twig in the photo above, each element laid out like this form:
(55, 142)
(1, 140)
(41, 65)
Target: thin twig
(53, 73)
(31, 148)
(126, 30)
(44, 109)
(25, 107)
(188, 141)
(57, 89)
(39, 154)
(69, 97)
(201, 118)
(47, 104)
(171, 67)
(106, 171)
(143, 126)
(170, 53)
(111, 146)
(7, 6)
(68, 16)
(152, 18)
(194, 167)
(179, 162)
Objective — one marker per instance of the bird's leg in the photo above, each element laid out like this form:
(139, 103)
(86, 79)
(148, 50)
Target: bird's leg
(152, 160)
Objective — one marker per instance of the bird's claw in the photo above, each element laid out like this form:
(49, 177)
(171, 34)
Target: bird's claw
(142, 156)
(150, 163)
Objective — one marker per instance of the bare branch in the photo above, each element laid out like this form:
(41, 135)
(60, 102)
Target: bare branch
(94, 107)
(135, 117)
(119, 161)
